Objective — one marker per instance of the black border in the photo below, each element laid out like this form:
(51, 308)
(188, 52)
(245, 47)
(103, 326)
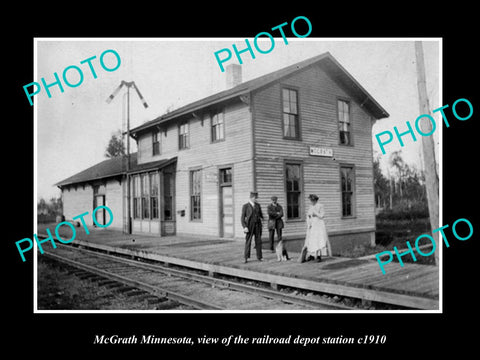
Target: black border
(408, 334)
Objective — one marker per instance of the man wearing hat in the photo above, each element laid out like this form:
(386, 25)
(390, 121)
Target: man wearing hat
(252, 225)
(275, 222)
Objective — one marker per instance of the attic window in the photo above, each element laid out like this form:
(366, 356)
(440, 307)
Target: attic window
(156, 143)
(183, 138)
(290, 114)
(343, 111)
(218, 130)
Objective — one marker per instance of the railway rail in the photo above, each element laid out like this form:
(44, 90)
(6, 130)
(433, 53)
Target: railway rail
(184, 286)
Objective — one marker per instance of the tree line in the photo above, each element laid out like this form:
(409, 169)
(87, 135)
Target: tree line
(402, 192)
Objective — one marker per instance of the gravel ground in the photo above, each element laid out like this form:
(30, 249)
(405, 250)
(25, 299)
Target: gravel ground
(60, 290)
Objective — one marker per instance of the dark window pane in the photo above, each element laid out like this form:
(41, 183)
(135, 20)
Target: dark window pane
(296, 212)
(225, 176)
(156, 143)
(136, 213)
(195, 196)
(168, 196)
(296, 185)
(347, 190)
(289, 212)
(154, 207)
(167, 208)
(145, 208)
(293, 187)
(344, 138)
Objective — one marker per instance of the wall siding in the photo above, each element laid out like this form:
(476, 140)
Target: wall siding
(235, 150)
(113, 199)
(317, 96)
(76, 201)
(79, 199)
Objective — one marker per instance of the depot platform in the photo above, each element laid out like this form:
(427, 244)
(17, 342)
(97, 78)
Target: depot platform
(413, 286)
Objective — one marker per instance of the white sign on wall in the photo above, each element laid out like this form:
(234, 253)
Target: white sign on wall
(321, 151)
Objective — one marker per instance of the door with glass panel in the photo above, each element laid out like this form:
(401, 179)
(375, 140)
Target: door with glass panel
(226, 202)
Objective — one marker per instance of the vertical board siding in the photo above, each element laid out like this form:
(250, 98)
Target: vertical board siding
(317, 96)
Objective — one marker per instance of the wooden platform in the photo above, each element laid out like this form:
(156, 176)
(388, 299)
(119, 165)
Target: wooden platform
(413, 286)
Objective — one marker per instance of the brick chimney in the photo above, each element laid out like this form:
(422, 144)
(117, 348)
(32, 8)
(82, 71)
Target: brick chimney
(234, 75)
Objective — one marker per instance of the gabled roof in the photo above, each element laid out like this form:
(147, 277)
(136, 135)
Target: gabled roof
(113, 167)
(325, 60)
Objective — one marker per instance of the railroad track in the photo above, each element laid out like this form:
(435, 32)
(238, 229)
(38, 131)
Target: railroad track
(187, 287)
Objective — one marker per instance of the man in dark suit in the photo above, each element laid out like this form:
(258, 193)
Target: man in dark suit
(252, 225)
(275, 222)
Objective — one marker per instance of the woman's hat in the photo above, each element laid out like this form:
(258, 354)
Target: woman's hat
(313, 197)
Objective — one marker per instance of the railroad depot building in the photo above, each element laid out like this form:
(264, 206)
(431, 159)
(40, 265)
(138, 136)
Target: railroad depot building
(304, 129)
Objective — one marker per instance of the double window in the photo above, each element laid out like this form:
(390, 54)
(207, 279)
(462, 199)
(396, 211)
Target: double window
(145, 192)
(218, 126)
(291, 126)
(196, 195)
(343, 111)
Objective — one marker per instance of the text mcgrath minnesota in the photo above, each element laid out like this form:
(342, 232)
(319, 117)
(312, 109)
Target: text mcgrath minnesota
(150, 339)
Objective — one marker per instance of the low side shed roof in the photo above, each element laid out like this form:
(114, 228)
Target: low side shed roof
(112, 168)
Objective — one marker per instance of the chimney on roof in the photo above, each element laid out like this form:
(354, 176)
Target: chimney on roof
(234, 75)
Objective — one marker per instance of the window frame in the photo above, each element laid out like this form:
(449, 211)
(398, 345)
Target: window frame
(145, 196)
(192, 195)
(353, 191)
(350, 132)
(136, 192)
(221, 171)
(168, 195)
(213, 127)
(156, 145)
(301, 203)
(183, 145)
(154, 197)
(298, 136)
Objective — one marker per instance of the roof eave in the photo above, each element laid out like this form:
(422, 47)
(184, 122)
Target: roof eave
(61, 184)
(179, 113)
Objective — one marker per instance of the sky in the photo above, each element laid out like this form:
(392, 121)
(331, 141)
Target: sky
(73, 128)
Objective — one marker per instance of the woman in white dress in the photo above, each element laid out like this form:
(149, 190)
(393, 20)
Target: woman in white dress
(316, 240)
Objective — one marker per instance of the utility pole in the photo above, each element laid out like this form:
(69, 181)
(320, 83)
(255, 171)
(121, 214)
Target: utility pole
(110, 98)
(428, 148)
